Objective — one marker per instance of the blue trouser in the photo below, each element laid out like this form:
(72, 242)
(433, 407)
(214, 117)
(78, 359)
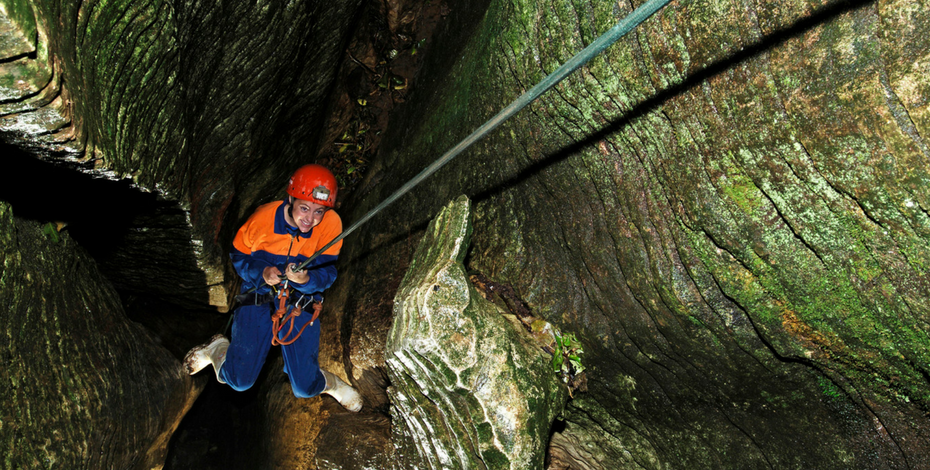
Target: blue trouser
(251, 341)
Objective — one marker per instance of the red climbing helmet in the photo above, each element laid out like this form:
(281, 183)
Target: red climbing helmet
(314, 183)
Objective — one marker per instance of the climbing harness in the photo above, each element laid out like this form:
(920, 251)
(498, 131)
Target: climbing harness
(290, 311)
(290, 305)
(619, 30)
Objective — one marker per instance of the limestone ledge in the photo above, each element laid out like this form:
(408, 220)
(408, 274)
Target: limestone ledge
(470, 389)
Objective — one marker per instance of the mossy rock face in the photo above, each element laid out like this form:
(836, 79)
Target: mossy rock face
(729, 207)
(210, 106)
(469, 389)
(82, 386)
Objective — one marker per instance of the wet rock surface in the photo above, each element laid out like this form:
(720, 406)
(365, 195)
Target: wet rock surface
(469, 388)
(719, 206)
(83, 386)
(728, 208)
(210, 107)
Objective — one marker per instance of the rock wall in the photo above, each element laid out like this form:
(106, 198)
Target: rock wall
(210, 106)
(83, 386)
(729, 207)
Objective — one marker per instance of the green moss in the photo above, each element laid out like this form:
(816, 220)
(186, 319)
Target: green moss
(830, 389)
(742, 205)
(485, 432)
(21, 14)
(494, 458)
(743, 192)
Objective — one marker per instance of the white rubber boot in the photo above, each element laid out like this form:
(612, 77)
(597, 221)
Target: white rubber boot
(212, 352)
(342, 392)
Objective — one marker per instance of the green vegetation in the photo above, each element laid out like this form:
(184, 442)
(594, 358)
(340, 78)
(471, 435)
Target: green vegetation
(566, 360)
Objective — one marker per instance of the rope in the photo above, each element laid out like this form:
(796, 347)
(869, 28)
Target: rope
(279, 319)
(619, 30)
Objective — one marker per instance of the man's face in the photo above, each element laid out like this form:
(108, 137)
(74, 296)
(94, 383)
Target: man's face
(305, 214)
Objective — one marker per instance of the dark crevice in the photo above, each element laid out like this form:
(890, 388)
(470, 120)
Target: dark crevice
(214, 431)
(130, 233)
(791, 227)
(97, 211)
(749, 436)
(761, 335)
(32, 55)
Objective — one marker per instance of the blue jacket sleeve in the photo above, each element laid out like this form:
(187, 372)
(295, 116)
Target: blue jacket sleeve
(249, 269)
(322, 272)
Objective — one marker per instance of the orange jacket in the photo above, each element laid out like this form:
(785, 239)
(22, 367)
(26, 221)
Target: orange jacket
(266, 239)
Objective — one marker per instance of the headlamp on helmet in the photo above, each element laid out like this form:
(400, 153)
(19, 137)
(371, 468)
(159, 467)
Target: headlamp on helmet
(313, 183)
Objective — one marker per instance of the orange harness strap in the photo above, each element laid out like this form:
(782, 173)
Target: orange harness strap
(278, 319)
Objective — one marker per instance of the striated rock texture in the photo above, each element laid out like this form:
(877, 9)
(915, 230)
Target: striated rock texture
(729, 208)
(82, 386)
(206, 106)
(209, 105)
(469, 389)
